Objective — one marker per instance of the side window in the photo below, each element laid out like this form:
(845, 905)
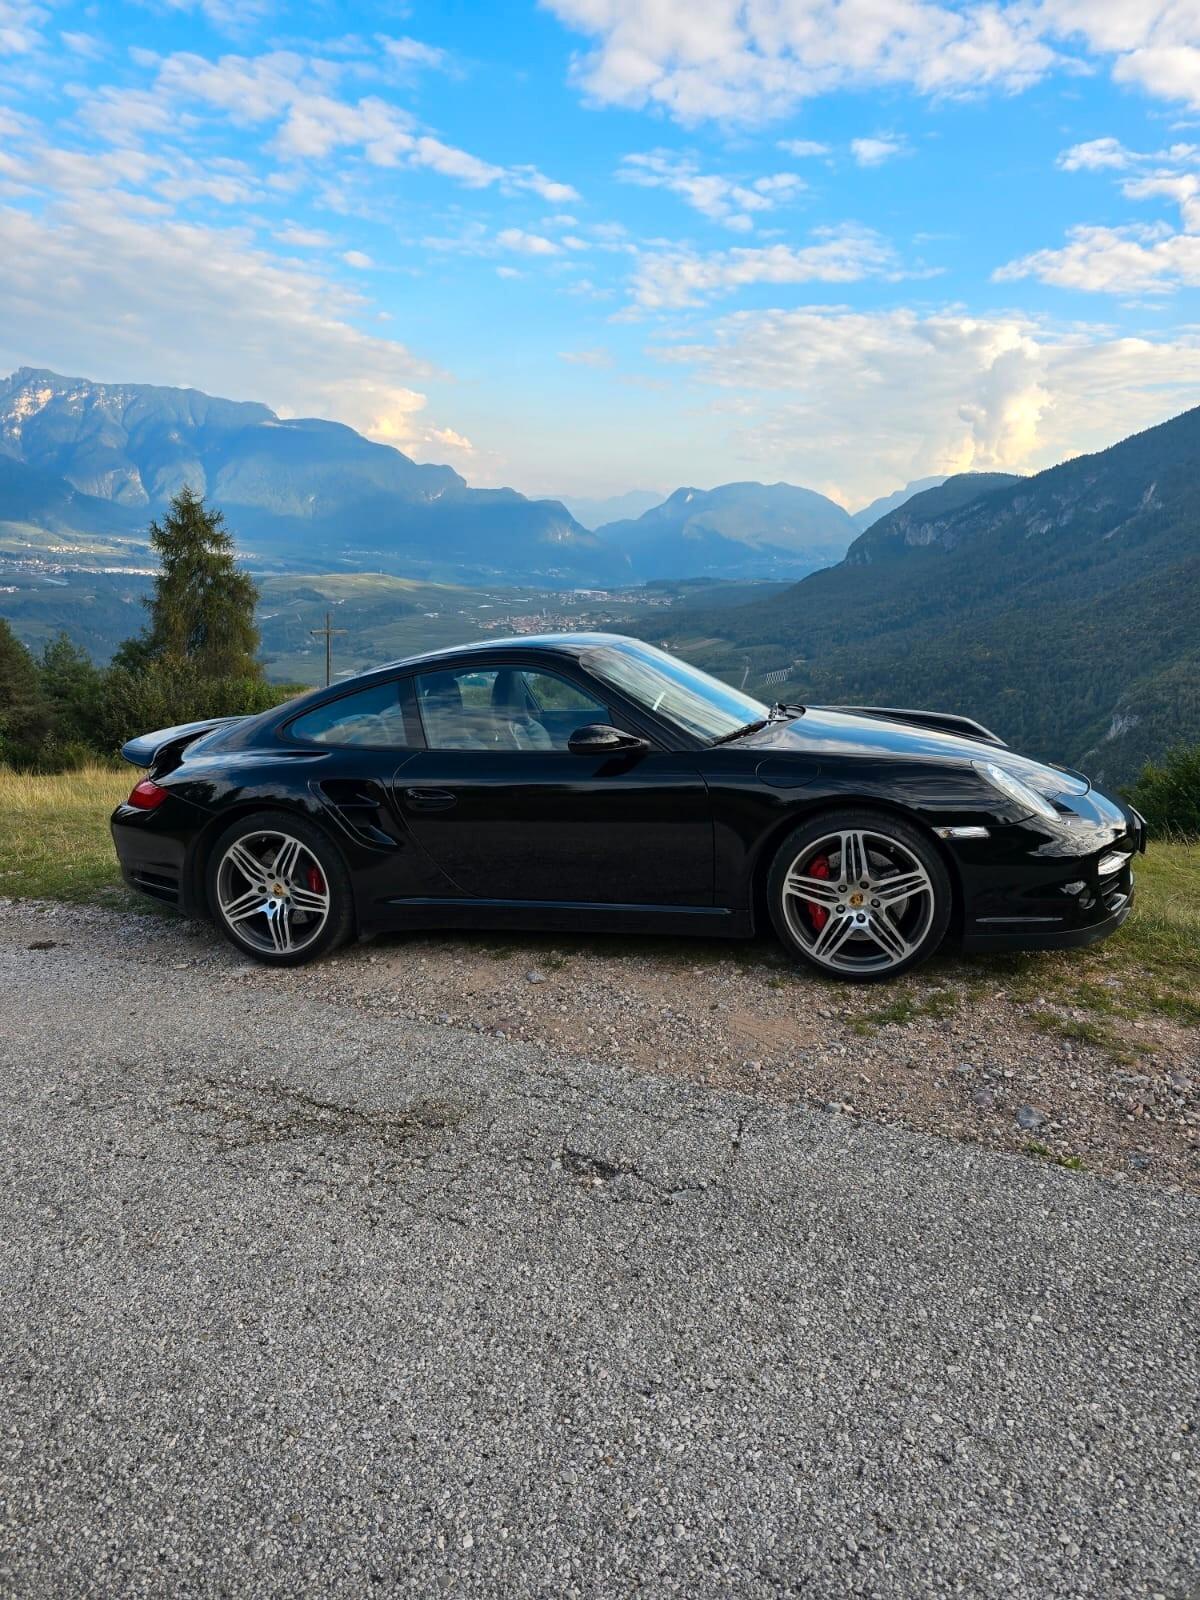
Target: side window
(557, 707)
(456, 709)
(372, 717)
(506, 708)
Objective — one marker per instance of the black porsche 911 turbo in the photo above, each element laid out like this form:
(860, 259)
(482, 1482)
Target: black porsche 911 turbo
(592, 782)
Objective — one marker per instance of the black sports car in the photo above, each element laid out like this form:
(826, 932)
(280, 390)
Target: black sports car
(589, 781)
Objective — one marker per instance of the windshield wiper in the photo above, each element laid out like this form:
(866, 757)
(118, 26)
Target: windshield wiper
(740, 733)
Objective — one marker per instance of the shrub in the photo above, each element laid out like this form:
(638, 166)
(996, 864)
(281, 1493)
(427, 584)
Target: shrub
(159, 696)
(1168, 796)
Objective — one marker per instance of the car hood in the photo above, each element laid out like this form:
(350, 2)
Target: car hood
(842, 733)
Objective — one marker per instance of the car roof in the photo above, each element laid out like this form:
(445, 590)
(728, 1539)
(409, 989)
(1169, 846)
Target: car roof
(563, 644)
(560, 644)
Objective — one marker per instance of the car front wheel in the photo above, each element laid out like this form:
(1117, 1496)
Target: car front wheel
(859, 895)
(279, 890)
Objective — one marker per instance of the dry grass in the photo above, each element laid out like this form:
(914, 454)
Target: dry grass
(54, 838)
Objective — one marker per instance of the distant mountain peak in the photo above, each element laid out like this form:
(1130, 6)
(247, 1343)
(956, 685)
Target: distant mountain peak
(735, 530)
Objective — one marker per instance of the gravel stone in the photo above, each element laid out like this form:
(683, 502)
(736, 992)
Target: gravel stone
(306, 1298)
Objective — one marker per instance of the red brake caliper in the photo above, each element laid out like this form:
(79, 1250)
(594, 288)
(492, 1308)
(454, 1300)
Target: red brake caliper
(315, 881)
(819, 914)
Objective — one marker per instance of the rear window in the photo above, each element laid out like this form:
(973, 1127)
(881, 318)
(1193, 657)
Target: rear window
(372, 717)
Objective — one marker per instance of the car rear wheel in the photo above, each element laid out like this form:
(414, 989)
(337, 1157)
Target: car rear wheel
(860, 895)
(278, 889)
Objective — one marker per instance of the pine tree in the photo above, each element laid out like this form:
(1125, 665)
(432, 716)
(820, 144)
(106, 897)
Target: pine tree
(202, 608)
(25, 717)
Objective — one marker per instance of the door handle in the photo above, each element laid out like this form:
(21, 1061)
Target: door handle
(431, 799)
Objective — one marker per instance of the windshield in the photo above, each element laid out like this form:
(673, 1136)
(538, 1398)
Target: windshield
(682, 695)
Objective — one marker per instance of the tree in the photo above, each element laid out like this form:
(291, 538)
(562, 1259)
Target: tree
(71, 685)
(25, 718)
(202, 608)
(1168, 796)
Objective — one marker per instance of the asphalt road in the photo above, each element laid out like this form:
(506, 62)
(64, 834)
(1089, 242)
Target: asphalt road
(298, 1300)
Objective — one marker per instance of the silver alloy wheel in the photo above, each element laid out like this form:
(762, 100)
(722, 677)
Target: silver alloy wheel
(272, 892)
(869, 908)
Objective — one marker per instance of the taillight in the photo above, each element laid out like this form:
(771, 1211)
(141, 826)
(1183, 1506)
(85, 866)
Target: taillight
(147, 795)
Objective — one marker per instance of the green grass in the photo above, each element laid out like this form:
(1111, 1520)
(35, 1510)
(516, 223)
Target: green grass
(908, 1008)
(1150, 968)
(1042, 1152)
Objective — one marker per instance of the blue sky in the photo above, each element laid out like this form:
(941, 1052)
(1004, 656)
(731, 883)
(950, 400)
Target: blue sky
(594, 245)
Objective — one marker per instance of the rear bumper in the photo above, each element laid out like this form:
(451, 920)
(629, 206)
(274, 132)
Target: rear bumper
(153, 860)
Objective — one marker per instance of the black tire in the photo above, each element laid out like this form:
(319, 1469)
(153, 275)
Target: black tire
(256, 935)
(872, 932)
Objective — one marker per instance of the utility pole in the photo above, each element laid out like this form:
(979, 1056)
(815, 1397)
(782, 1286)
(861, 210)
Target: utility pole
(327, 634)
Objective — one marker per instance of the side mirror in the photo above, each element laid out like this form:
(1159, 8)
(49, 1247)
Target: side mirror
(599, 739)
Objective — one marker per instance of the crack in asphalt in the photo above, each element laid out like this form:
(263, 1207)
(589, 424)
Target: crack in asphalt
(275, 1113)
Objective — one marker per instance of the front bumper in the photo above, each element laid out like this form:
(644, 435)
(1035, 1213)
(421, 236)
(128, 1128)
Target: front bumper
(1029, 892)
(1030, 936)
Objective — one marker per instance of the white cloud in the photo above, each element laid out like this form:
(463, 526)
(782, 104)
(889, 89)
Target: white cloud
(725, 59)
(670, 279)
(230, 15)
(1172, 72)
(719, 199)
(528, 244)
(85, 45)
(21, 27)
(874, 152)
(90, 287)
(1133, 259)
(1181, 188)
(729, 60)
(1129, 260)
(358, 259)
(936, 393)
(304, 238)
(802, 148)
(1097, 155)
(297, 94)
(409, 53)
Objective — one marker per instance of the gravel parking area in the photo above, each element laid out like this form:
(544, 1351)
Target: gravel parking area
(306, 1296)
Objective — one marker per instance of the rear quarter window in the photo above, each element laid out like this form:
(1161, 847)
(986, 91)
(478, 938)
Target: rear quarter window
(372, 718)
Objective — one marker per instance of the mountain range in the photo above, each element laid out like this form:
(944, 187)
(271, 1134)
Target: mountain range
(1060, 609)
(78, 455)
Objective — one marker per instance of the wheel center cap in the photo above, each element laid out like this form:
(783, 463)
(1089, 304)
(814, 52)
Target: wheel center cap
(857, 899)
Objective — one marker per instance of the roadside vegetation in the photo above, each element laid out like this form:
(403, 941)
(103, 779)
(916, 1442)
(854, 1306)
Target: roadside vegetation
(196, 657)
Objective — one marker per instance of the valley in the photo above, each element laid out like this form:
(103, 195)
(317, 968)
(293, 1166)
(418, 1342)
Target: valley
(1058, 609)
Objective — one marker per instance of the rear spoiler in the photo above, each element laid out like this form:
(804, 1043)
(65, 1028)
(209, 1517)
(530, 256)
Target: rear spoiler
(943, 721)
(152, 749)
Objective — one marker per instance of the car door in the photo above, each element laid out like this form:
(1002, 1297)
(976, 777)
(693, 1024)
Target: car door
(509, 813)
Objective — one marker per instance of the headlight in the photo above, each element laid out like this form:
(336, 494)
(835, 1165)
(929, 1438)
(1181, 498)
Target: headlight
(1000, 778)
